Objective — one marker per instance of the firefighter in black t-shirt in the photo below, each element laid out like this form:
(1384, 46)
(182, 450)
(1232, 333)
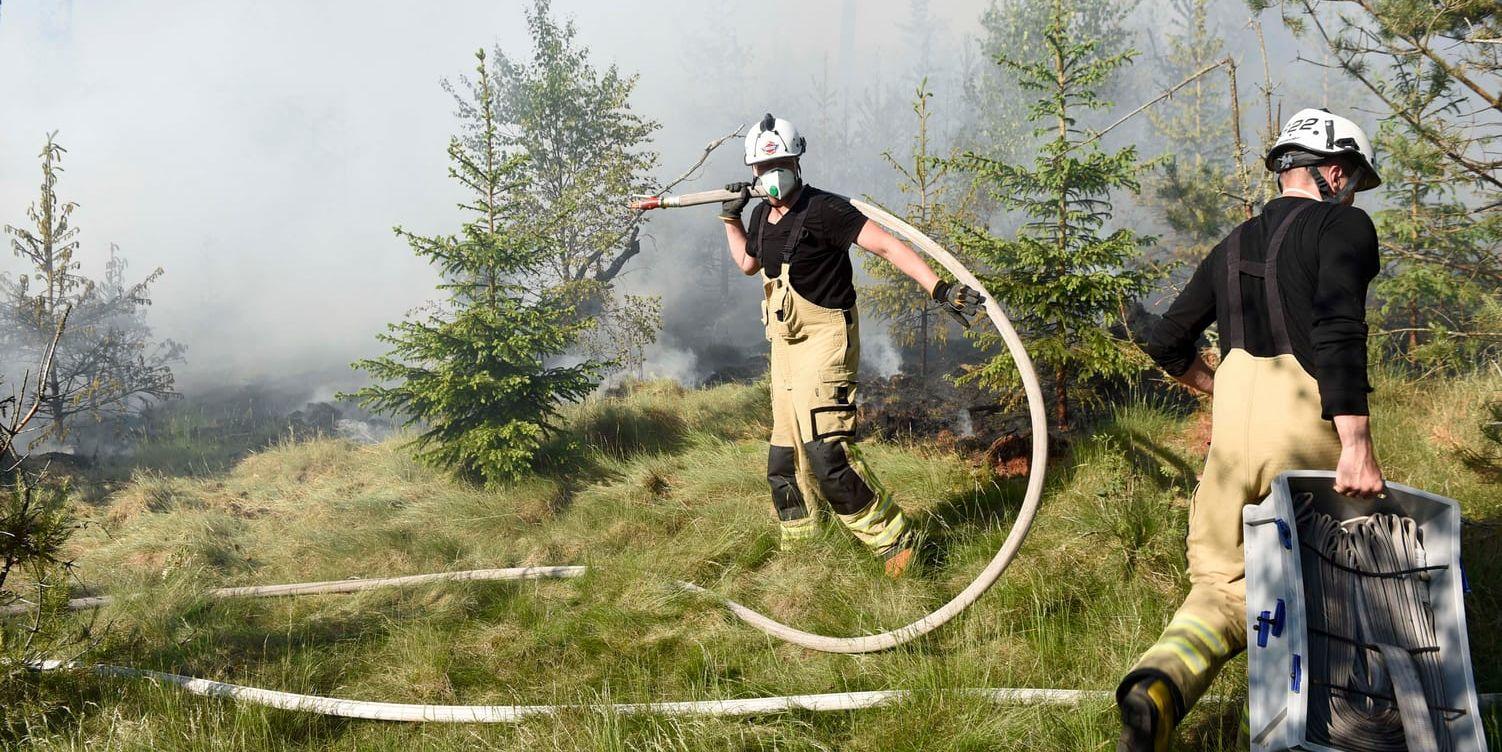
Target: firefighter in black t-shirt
(799, 239)
(1288, 289)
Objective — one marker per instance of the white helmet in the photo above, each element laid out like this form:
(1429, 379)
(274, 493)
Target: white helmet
(772, 138)
(1313, 135)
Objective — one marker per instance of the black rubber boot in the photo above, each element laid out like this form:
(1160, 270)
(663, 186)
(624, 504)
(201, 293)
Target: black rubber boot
(1147, 716)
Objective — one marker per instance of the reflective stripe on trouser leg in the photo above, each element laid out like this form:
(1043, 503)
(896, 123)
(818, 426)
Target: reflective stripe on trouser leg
(1266, 420)
(881, 525)
(865, 508)
(792, 510)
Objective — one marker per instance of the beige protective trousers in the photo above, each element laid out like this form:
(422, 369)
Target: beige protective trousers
(1266, 420)
(812, 454)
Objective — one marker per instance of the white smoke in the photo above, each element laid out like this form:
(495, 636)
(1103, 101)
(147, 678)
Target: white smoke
(265, 176)
(663, 362)
(963, 425)
(362, 431)
(879, 354)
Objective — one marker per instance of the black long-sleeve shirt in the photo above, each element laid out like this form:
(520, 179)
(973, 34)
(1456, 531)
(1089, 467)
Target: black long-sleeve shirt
(1329, 258)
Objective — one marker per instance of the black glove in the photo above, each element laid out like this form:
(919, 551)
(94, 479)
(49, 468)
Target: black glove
(959, 301)
(730, 211)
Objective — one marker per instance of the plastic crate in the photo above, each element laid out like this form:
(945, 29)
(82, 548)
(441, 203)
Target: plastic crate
(1280, 689)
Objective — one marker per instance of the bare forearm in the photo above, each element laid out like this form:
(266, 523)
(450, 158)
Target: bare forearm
(1355, 431)
(1200, 377)
(910, 263)
(1358, 474)
(893, 251)
(735, 236)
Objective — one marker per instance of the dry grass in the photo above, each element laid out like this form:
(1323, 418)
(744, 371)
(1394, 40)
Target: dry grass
(661, 484)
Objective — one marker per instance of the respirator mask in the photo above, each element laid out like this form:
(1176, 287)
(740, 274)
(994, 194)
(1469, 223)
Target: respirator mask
(778, 183)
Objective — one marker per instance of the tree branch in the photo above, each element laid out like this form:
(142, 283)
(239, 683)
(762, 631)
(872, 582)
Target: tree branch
(1398, 110)
(1169, 92)
(9, 432)
(633, 226)
(1421, 330)
(1453, 72)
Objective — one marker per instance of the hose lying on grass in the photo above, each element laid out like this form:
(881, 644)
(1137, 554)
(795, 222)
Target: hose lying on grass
(390, 711)
(823, 643)
(395, 711)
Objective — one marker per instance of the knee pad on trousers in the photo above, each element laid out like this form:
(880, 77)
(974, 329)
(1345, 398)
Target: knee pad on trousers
(846, 490)
(782, 471)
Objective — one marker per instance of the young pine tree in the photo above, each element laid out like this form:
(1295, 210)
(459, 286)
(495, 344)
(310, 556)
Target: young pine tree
(892, 296)
(108, 363)
(1438, 293)
(1063, 277)
(473, 371)
(1010, 31)
(1193, 190)
(36, 523)
(588, 152)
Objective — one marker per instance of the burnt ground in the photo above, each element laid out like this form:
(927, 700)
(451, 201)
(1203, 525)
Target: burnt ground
(960, 418)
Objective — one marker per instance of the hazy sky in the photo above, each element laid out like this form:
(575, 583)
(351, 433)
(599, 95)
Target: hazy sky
(262, 151)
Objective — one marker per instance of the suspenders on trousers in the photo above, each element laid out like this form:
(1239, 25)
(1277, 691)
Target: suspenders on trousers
(1266, 419)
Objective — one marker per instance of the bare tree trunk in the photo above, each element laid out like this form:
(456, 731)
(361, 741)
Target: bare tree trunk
(1061, 399)
(1267, 84)
(923, 338)
(56, 406)
(631, 249)
(1246, 180)
(1413, 323)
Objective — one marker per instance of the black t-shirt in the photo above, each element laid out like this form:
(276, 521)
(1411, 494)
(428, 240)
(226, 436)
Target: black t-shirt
(1329, 257)
(821, 268)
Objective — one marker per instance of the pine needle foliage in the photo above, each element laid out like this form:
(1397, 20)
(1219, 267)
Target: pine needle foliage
(474, 371)
(588, 152)
(926, 182)
(1064, 276)
(1438, 293)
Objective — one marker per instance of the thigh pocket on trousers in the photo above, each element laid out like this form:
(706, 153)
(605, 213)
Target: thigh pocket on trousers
(835, 412)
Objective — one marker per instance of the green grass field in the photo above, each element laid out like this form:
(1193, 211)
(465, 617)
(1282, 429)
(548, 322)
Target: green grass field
(671, 486)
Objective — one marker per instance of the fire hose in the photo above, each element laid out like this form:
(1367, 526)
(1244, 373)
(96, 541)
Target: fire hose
(824, 643)
(1375, 642)
(405, 712)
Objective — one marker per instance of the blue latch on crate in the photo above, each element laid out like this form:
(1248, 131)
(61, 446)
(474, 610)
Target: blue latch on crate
(1271, 622)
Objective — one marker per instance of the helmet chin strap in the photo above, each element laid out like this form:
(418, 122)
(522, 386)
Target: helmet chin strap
(1349, 190)
(1330, 195)
(1325, 191)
